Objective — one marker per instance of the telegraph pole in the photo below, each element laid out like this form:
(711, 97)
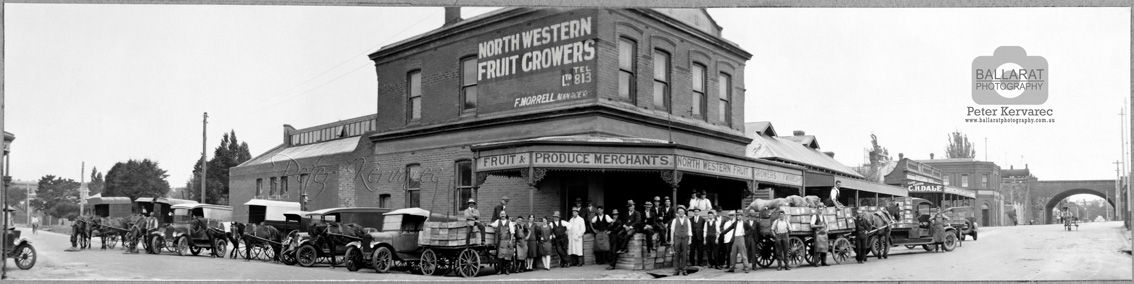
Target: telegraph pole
(204, 162)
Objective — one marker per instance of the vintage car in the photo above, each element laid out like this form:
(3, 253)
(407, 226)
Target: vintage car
(394, 245)
(159, 208)
(912, 229)
(962, 219)
(330, 245)
(180, 237)
(19, 249)
(292, 238)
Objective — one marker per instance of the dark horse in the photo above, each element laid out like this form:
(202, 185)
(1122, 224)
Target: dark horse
(880, 223)
(80, 233)
(263, 236)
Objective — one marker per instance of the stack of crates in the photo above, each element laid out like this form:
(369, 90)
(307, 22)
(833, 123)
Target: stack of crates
(450, 234)
(799, 219)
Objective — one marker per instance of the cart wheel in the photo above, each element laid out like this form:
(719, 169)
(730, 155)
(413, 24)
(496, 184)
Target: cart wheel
(841, 251)
(796, 251)
(808, 255)
(876, 246)
(182, 246)
(220, 246)
(25, 256)
(468, 263)
(765, 254)
(287, 257)
(353, 259)
(428, 262)
(112, 242)
(950, 242)
(306, 255)
(382, 260)
(156, 244)
(196, 250)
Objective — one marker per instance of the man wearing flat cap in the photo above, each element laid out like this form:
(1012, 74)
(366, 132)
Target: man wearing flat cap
(559, 238)
(503, 206)
(696, 249)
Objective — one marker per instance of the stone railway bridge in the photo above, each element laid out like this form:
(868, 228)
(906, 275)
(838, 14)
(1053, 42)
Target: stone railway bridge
(1044, 196)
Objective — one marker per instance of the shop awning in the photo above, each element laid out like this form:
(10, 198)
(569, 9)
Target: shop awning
(864, 185)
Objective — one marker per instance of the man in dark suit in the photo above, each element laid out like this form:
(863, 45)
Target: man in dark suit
(616, 231)
(651, 227)
(496, 210)
(712, 240)
(666, 212)
(752, 236)
(698, 246)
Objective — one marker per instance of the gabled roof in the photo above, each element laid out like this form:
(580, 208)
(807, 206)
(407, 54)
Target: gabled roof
(285, 154)
(762, 127)
(805, 140)
(782, 149)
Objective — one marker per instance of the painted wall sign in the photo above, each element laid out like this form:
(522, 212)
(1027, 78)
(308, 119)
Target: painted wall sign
(541, 62)
(713, 167)
(602, 160)
(772, 176)
(505, 161)
(924, 187)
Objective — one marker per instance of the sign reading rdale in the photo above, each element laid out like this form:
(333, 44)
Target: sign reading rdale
(542, 62)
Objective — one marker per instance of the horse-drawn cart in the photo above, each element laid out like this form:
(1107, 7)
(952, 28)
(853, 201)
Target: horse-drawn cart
(801, 243)
(446, 247)
(184, 238)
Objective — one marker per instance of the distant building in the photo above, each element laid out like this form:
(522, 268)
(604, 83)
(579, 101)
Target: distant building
(982, 176)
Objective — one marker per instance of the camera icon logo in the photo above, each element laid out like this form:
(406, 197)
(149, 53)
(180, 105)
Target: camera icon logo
(1010, 77)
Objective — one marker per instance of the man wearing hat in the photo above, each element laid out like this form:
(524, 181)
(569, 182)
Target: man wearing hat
(472, 216)
(600, 224)
(780, 230)
(559, 239)
(631, 223)
(734, 232)
(503, 206)
(651, 226)
(700, 202)
(698, 244)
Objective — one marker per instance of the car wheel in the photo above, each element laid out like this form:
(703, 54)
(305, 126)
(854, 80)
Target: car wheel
(382, 260)
(353, 259)
(306, 255)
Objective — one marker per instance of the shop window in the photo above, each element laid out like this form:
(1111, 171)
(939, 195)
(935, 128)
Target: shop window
(627, 63)
(724, 111)
(283, 186)
(984, 181)
(272, 187)
(468, 84)
(464, 184)
(259, 187)
(698, 77)
(965, 181)
(946, 179)
(384, 201)
(413, 89)
(661, 79)
(413, 185)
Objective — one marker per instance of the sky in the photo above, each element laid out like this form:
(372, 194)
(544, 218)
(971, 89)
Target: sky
(105, 83)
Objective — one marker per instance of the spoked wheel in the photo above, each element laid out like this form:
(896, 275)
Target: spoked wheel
(306, 255)
(25, 256)
(765, 254)
(809, 255)
(382, 260)
(196, 250)
(353, 259)
(950, 242)
(841, 251)
(183, 246)
(878, 246)
(796, 252)
(468, 263)
(287, 257)
(428, 262)
(155, 245)
(112, 241)
(220, 247)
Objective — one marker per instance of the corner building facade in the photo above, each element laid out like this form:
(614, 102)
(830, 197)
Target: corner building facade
(544, 106)
(551, 105)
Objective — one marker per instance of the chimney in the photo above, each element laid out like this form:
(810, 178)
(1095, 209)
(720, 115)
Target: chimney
(931, 156)
(287, 130)
(798, 133)
(830, 154)
(901, 156)
(452, 15)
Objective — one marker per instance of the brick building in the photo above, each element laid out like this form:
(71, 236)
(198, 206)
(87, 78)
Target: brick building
(541, 105)
(982, 176)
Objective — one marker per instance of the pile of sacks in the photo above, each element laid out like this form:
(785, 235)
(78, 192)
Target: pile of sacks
(764, 205)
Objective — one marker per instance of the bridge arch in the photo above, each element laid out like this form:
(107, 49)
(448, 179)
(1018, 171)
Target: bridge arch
(1049, 209)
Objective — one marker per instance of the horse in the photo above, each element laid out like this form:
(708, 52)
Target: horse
(880, 225)
(235, 236)
(80, 237)
(260, 236)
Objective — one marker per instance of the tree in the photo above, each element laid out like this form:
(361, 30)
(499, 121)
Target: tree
(57, 197)
(878, 157)
(228, 154)
(135, 179)
(959, 146)
(97, 183)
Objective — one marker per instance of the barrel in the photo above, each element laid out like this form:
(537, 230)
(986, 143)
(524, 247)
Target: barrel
(588, 249)
(637, 258)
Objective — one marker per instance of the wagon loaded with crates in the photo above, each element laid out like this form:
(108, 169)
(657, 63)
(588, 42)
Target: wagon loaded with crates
(446, 248)
(801, 242)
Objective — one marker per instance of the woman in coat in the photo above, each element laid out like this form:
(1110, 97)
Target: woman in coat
(521, 245)
(937, 230)
(575, 230)
(543, 237)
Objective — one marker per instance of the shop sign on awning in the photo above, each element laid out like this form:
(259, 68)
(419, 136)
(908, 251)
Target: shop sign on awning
(505, 161)
(771, 175)
(601, 160)
(699, 165)
(924, 187)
